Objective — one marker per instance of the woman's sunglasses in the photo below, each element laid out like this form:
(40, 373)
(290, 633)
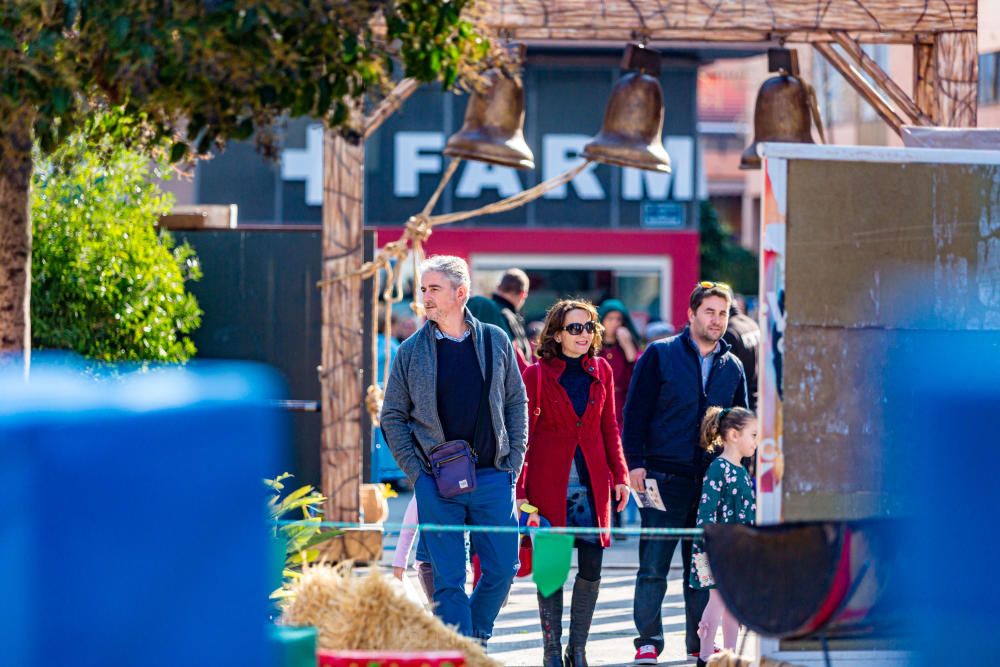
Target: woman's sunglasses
(575, 328)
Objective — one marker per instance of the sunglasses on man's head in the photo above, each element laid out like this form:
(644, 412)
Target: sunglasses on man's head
(576, 328)
(708, 284)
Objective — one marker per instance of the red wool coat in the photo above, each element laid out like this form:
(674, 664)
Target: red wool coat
(555, 433)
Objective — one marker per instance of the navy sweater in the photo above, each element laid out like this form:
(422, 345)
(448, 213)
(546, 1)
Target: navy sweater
(576, 382)
(459, 387)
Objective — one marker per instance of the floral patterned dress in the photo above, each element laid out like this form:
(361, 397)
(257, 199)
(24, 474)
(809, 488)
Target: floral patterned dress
(726, 497)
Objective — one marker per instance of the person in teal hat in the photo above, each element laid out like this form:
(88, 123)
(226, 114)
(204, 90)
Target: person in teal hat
(621, 349)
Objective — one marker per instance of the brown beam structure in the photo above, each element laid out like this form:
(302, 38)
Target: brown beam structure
(615, 21)
(925, 78)
(860, 84)
(388, 106)
(881, 78)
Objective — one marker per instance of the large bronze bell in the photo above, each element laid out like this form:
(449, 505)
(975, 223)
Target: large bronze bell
(781, 113)
(493, 130)
(633, 119)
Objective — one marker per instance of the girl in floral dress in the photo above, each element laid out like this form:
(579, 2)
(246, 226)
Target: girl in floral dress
(726, 497)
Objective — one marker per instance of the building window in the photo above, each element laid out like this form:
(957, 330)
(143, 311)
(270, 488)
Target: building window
(989, 64)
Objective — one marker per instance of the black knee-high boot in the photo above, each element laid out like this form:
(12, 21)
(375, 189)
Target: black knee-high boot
(581, 613)
(550, 610)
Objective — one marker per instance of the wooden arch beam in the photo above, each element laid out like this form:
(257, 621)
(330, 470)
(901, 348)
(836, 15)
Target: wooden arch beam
(615, 21)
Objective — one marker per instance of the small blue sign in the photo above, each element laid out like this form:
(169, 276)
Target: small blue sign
(663, 215)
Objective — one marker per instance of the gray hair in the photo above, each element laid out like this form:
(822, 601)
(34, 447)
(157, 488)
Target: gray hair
(453, 268)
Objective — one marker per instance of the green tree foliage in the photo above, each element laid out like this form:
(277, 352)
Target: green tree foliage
(197, 73)
(722, 257)
(106, 284)
(204, 71)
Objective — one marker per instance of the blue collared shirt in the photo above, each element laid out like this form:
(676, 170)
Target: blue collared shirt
(440, 335)
(706, 364)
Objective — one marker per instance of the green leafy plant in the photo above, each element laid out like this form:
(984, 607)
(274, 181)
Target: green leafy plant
(305, 506)
(722, 257)
(107, 285)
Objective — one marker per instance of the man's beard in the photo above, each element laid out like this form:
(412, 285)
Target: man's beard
(705, 334)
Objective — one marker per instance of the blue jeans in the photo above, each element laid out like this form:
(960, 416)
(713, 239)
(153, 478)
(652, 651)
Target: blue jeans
(680, 496)
(491, 504)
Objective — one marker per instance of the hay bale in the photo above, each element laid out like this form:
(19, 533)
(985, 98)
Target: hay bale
(727, 658)
(370, 613)
(768, 662)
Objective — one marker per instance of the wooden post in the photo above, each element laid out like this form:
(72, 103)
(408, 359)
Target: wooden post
(925, 79)
(956, 65)
(340, 372)
(15, 237)
(340, 376)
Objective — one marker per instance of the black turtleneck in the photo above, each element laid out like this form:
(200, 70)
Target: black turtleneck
(576, 382)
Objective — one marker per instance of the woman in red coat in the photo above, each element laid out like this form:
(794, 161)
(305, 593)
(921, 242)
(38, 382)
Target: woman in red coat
(574, 468)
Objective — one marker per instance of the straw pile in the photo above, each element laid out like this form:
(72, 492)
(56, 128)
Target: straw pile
(370, 613)
(729, 659)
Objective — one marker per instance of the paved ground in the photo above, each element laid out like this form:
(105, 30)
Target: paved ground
(517, 637)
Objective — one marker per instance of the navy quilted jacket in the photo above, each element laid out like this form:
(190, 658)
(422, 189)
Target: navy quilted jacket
(666, 404)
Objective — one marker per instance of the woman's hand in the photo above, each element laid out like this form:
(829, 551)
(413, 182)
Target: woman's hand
(624, 338)
(398, 572)
(533, 518)
(621, 495)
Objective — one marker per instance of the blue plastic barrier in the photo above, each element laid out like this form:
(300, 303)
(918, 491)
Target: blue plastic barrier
(135, 530)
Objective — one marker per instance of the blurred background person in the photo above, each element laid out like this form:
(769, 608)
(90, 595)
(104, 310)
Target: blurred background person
(534, 330)
(620, 348)
(504, 310)
(659, 330)
(403, 326)
(743, 335)
(384, 467)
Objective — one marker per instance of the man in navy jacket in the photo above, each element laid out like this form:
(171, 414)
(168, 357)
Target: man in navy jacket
(675, 381)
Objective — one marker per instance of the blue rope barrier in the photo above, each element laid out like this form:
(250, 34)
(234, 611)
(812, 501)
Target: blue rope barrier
(393, 528)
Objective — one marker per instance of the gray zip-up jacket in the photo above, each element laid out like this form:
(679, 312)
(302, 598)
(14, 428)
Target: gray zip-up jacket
(410, 419)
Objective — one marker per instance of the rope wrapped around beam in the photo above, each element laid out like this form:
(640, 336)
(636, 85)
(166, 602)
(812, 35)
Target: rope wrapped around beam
(410, 245)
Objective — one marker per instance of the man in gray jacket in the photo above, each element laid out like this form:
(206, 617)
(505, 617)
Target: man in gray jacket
(434, 395)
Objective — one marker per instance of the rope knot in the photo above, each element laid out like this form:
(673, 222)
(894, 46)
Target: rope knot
(418, 228)
(373, 402)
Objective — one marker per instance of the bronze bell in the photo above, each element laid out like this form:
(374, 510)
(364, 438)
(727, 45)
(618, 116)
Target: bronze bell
(631, 135)
(781, 112)
(493, 130)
